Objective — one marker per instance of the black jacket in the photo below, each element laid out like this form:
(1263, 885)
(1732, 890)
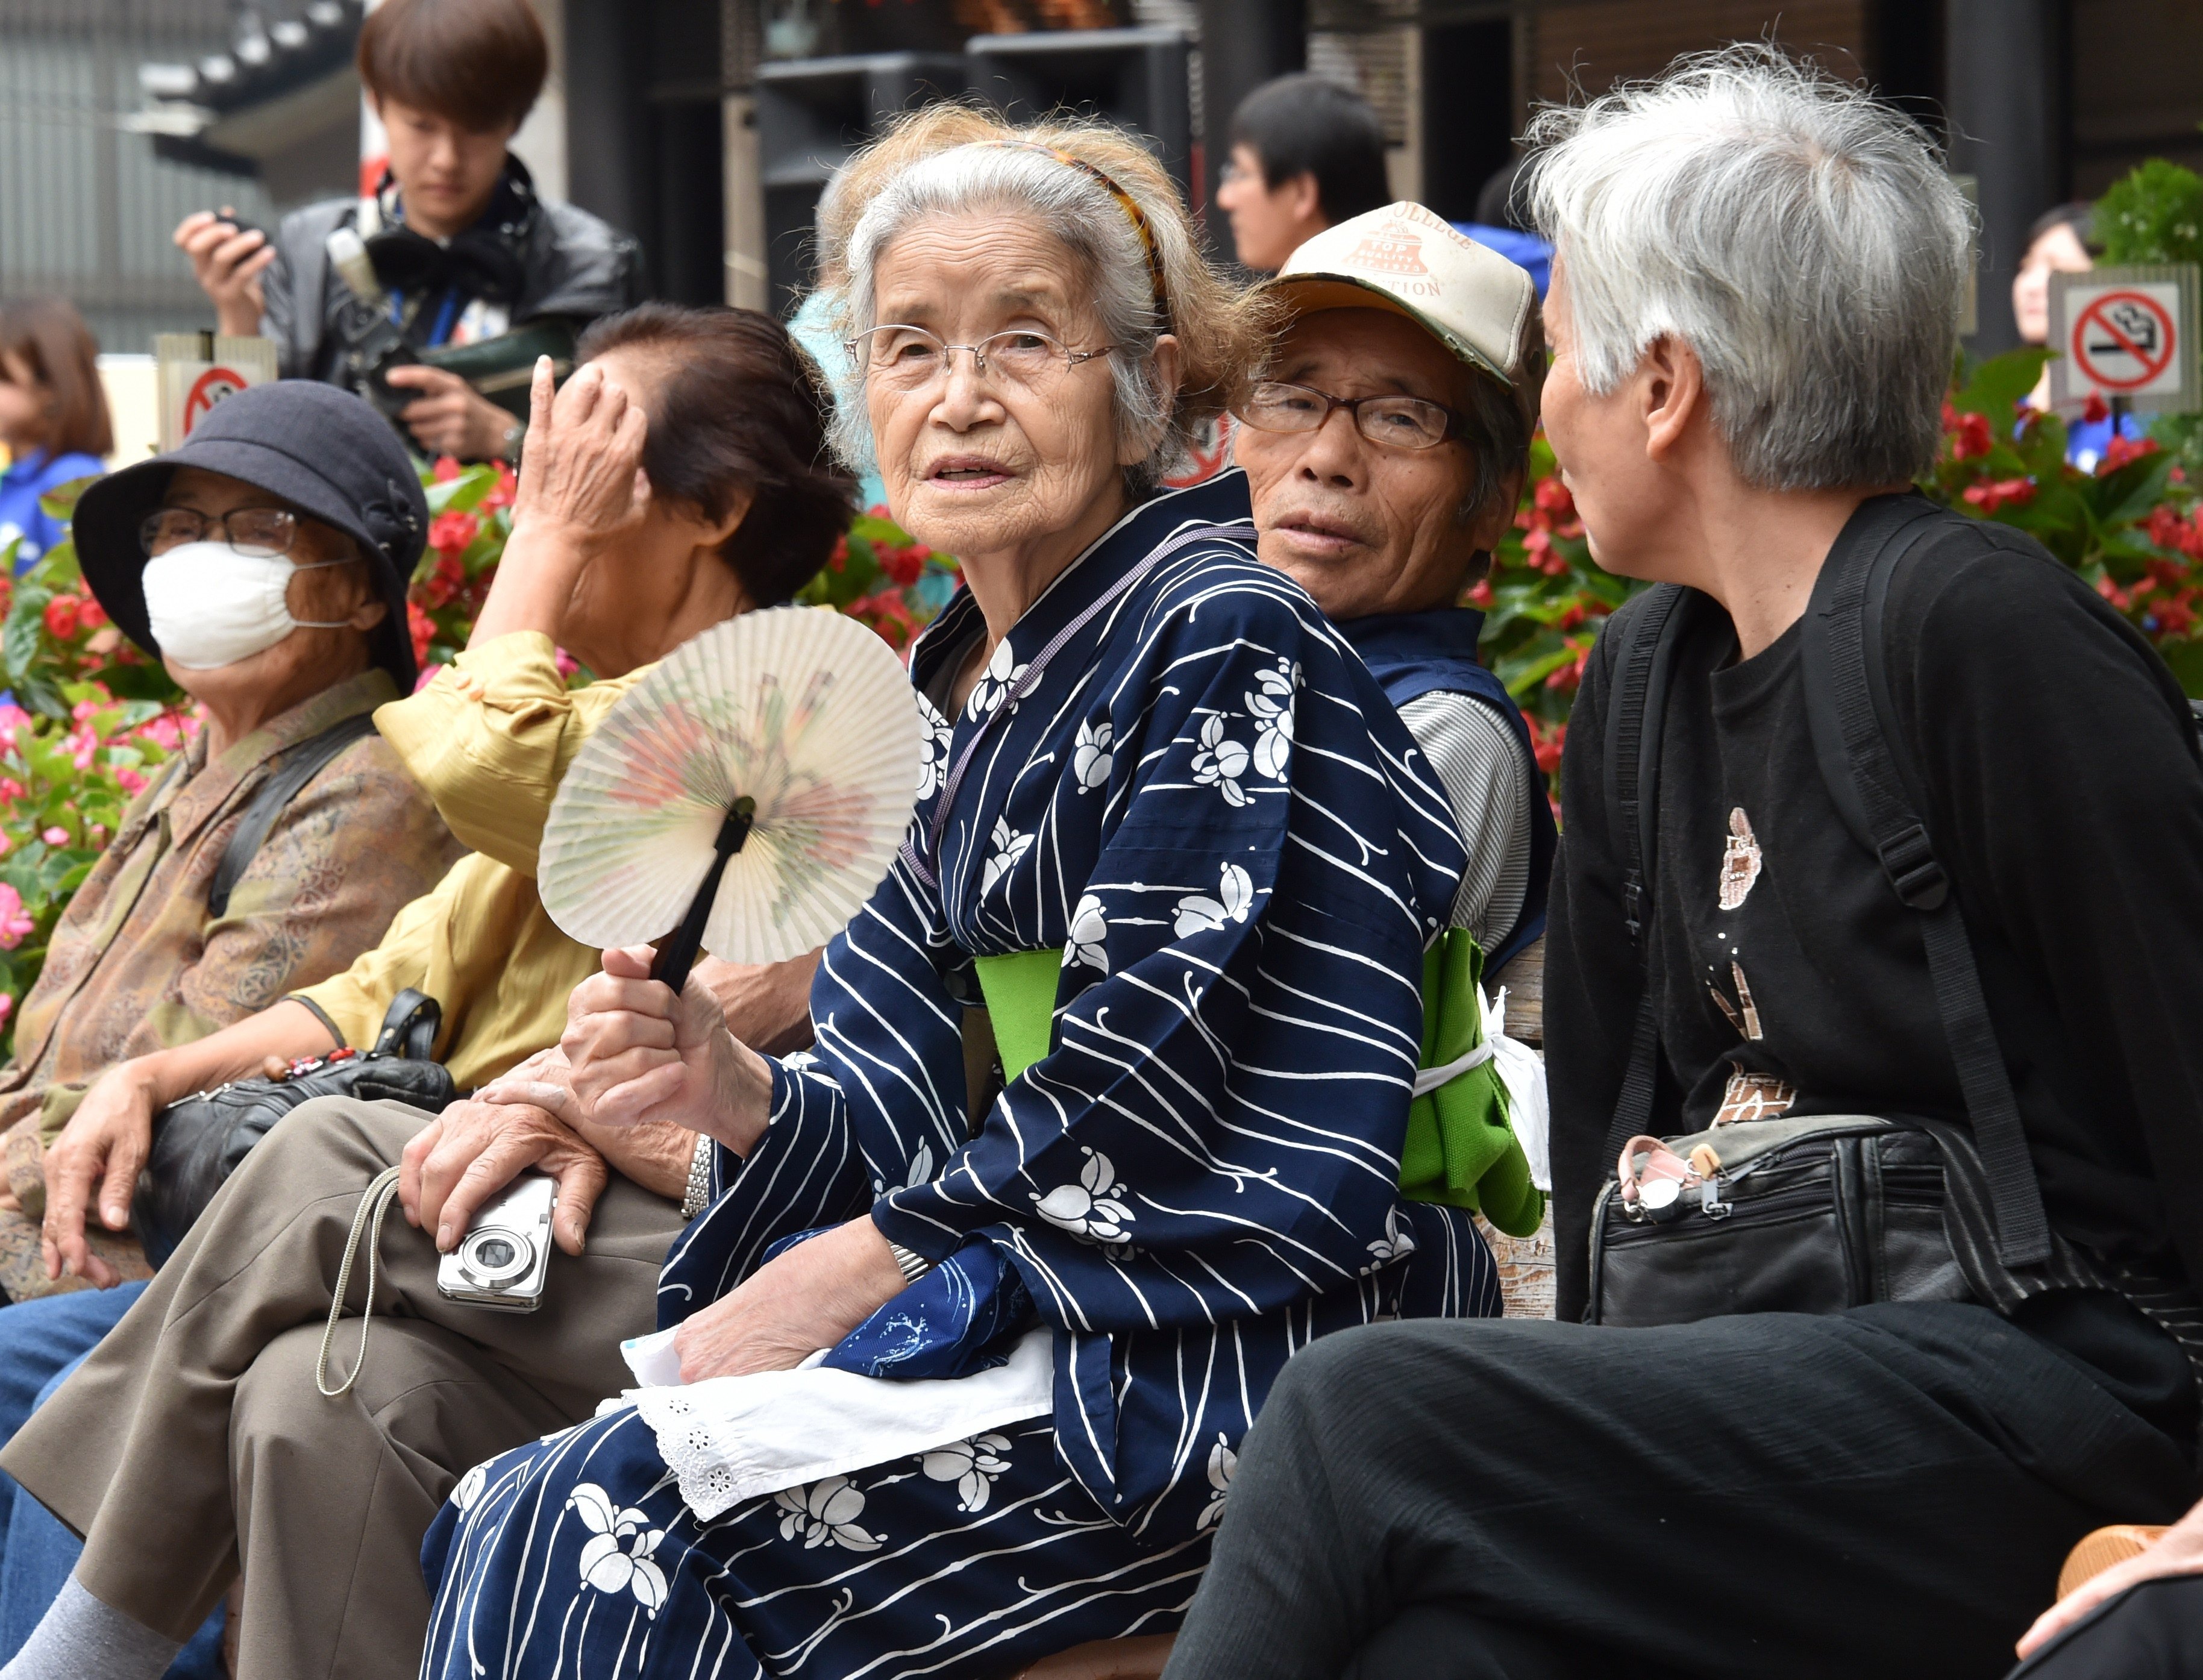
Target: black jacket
(575, 268)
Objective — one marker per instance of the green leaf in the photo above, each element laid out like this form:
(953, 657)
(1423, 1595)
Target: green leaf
(2186, 658)
(460, 495)
(1997, 385)
(2155, 215)
(27, 623)
(59, 502)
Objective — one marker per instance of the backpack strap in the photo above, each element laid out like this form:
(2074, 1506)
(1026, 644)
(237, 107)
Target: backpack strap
(1848, 709)
(1642, 669)
(299, 765)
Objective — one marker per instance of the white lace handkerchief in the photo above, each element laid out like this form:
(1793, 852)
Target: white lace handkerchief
(737, 1438)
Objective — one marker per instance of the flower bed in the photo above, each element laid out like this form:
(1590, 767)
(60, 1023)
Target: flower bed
(2132, 529)
(91, 718)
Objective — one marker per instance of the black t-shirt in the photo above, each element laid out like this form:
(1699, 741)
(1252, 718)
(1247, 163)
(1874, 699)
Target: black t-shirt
(2065, 798)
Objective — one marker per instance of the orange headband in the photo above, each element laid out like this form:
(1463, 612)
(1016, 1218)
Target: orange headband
(1125, 202)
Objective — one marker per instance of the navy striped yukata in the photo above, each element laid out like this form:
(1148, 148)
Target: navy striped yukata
(1201, 797)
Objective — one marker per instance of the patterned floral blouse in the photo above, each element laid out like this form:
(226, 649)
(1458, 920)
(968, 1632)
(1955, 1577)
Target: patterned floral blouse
(137, 964)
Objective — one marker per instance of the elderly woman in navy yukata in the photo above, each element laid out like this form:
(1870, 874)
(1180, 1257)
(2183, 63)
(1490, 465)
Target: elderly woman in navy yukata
(1112, 1074)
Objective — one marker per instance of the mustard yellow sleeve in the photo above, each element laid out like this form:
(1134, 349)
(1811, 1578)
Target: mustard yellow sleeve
(355, 1002)
(490, 735)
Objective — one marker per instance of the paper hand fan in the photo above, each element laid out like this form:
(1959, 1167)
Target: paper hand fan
(746, 795)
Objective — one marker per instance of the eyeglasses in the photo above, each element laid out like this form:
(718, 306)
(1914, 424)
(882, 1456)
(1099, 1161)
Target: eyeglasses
(1405, 422)
(910, 358)
(258, 532)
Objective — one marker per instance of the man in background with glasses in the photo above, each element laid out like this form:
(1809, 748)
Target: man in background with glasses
(1386, 454)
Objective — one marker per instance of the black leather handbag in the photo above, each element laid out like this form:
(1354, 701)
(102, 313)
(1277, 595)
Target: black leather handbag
(199, 1142)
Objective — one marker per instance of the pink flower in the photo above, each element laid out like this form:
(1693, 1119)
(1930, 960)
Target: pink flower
(129, 780)
(6, 1006)
(16, 924)
(10, 789)
(55, 835)
(567, 664)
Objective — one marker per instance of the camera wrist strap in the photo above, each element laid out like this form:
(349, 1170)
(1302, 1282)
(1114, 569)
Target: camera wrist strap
(372, 1206)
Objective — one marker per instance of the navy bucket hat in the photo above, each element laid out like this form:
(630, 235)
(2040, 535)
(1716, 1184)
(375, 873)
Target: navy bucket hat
(323, 451)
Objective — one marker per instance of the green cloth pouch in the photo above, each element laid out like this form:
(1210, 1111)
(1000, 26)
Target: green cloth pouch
(1461, 1148)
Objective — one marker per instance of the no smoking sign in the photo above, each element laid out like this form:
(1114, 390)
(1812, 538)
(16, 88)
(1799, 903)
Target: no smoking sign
(2126, 333)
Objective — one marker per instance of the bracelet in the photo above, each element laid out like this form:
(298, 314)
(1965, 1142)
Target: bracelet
(700, 1178)
(514, 436)
(912, 1266)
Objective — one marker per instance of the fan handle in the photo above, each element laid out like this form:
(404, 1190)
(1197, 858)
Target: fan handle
(677, 955)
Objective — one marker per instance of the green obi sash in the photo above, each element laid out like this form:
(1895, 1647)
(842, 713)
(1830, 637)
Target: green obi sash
(1461, 1148)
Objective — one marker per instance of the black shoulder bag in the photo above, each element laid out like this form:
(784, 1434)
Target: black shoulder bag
(198, 1142)
(1818, 1213)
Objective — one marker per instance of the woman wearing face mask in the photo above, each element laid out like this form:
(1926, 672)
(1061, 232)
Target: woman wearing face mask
(274, 591)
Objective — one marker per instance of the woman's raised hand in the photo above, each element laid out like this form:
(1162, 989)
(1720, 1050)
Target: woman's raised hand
(640, 1054)
(581, 466)
(582, 490)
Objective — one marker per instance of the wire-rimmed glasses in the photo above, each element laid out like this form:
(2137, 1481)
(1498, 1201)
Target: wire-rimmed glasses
(1405, 422)
(910, 358)
(261, 533)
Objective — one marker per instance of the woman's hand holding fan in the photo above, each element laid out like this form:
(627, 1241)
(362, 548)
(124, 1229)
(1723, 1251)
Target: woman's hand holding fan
(638, 1055)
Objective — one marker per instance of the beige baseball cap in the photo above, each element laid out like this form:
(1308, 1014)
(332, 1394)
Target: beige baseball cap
(1409, 260)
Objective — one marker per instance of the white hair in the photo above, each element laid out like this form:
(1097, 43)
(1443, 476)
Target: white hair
(1077, 209)
(1800, 237)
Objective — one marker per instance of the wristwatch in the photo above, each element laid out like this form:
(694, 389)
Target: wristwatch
(700, 1178)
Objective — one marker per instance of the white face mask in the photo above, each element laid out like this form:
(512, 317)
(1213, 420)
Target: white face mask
(211, 607)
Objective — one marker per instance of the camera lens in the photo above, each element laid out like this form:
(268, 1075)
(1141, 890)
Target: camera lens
(496, 1257)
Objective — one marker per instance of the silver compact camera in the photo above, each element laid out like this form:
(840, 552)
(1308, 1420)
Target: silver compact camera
(501, 1260)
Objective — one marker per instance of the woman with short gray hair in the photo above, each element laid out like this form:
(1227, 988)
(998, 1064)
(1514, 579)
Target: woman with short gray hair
(1110, 1088)
(1791, 1435)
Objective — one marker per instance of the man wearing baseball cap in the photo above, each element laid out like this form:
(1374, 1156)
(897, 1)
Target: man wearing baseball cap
(1384, 454)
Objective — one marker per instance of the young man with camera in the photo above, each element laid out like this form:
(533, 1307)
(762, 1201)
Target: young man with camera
(453, 257)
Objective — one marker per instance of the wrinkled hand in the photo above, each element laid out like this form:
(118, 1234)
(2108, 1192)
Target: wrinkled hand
(582, 470)
(452, 418)
(638, 1054)
(228, 265)
(473, 1149)
(104, 1144)
(808, 1298)
(2178, 1551)
(766, 1005)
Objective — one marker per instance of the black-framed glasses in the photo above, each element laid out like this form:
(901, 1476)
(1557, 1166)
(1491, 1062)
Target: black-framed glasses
(261, 533)
(1405, 422)
(910, 358)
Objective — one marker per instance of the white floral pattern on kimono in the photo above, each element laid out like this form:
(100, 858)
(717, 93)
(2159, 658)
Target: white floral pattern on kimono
(618, 1559)
(825, 1513)
(973, 1465)
(1094, 1208)
(1222, 760)
(1270, 705)
(1223, 1462)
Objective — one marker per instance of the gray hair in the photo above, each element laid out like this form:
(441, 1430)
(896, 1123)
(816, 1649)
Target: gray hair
(1801, 238)
(1076, 209)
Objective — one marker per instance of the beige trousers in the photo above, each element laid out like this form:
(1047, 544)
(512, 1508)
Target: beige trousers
(193, 1439)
